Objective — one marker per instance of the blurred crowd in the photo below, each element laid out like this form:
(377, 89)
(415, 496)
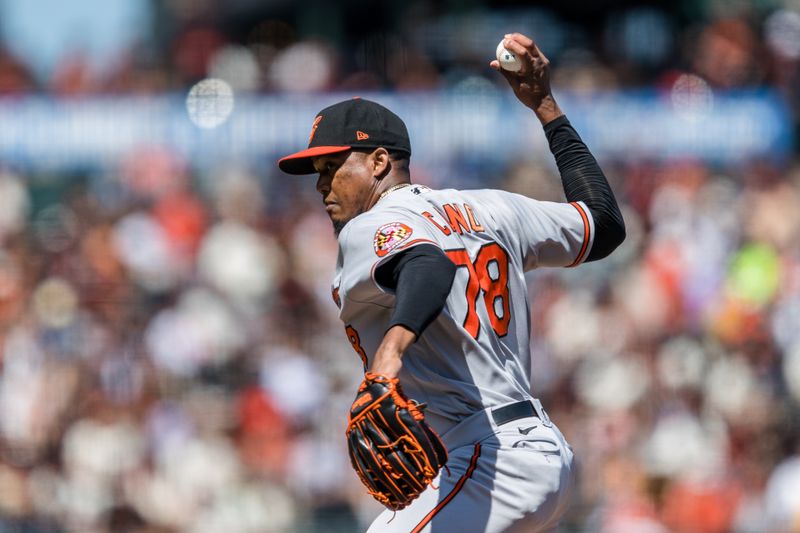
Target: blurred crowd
(172, 360)
(270, 47)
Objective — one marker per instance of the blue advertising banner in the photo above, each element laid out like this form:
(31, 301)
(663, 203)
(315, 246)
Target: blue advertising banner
(647, 125)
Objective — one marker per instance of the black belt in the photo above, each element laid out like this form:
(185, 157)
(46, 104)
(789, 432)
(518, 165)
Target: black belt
(515, 411)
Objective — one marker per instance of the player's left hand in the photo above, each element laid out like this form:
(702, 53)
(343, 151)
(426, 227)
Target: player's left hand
(531, 83)
(395, 453)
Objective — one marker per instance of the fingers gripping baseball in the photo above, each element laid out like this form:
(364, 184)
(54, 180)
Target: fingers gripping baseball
(531, 83)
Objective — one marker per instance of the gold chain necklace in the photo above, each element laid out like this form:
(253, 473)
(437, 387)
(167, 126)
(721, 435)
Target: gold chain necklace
(393, 188)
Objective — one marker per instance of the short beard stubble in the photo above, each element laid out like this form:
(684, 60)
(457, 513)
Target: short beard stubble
(338, 226)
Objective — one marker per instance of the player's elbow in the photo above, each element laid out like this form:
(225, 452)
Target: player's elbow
(617, 236)
(609, 234)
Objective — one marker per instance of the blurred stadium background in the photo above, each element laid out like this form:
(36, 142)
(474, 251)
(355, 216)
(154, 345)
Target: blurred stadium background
(171, 357)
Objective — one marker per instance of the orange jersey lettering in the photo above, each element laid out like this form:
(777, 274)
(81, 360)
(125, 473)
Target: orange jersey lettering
(432, 220)
(471, 216)
(456, 219)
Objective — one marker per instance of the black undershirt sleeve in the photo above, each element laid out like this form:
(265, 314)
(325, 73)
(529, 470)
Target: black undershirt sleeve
(421, 278)
(584, 181)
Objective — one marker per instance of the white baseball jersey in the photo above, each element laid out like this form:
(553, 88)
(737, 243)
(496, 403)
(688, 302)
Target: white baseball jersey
(476, 353)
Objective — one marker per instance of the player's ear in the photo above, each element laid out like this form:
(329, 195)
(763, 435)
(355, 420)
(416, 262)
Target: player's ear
(380, 163)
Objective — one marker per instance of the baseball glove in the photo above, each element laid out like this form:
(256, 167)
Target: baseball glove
(395, 453)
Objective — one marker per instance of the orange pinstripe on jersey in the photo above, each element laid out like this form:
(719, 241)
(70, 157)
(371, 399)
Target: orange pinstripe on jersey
(472, 464)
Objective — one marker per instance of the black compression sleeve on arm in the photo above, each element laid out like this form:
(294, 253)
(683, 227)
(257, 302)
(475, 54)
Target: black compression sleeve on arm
(421, 278)
(584, 181)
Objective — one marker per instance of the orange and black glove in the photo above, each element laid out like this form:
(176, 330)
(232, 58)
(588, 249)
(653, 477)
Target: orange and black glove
(395, 453)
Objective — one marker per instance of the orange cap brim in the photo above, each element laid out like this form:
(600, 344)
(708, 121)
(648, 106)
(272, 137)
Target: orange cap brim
(300, 162)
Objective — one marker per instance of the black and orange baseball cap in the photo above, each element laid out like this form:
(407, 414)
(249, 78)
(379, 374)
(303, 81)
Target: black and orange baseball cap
(352, 124)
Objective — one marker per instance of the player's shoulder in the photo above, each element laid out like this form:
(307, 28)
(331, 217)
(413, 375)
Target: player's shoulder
(490, 199)
(390, 222)
(378, 215)
(499, 197)
(380, 218)
(403, 204)
(416, 200)
(416, 193)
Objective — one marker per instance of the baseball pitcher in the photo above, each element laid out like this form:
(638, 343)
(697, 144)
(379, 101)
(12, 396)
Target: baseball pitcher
(444, 430)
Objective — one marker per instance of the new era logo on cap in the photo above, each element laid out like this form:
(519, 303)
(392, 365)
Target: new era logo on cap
(343, 127)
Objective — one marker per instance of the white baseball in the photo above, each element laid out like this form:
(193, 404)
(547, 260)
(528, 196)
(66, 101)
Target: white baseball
(508, 60)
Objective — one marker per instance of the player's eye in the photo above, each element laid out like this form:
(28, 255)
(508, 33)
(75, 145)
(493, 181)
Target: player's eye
(331, 167)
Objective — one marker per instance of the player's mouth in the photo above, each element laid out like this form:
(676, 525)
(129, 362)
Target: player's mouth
(330, 206)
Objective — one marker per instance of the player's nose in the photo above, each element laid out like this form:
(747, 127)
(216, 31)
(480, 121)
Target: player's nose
(323, 184)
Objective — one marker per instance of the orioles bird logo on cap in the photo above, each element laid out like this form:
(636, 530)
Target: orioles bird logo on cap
(314, 128)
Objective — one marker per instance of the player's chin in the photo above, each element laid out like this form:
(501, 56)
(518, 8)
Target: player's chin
(337, 221)
(338, 226)
(340, 220)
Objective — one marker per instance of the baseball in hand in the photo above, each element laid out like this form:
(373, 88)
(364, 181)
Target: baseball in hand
(508, 60)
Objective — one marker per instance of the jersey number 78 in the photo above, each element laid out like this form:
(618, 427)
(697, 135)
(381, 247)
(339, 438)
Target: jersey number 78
(488, 275)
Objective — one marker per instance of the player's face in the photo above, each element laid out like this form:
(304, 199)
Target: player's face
(346, 183)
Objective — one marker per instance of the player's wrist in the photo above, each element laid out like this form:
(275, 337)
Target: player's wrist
(547, 109)
(387, 366)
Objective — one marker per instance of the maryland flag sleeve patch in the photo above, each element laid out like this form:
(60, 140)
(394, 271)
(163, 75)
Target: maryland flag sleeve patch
(390, 236)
